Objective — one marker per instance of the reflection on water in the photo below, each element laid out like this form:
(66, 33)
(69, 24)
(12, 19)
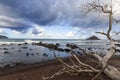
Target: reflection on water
(11, 51)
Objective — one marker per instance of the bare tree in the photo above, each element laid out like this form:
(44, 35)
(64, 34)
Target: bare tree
(110, 71)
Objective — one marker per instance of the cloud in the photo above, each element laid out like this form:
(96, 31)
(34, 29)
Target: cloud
(47, 12)
(37, 30)
(16, 32)
(22, 15)
(2, 31)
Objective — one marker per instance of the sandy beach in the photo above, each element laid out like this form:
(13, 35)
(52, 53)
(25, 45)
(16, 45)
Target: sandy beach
(36, 71)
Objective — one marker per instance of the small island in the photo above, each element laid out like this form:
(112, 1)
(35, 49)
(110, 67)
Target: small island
(93, 38)
(3, 37)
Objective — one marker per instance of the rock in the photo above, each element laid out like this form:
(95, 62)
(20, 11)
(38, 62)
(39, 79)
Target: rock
(44, 54)
(72, 46)
(60, 49)
(6, 52)
(57, 44)
(27, 54)
(67, 50)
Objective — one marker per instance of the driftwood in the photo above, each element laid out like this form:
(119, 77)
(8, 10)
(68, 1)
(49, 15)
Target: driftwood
(109, 70)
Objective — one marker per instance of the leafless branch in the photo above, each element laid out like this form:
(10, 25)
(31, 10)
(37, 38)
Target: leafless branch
(103, 33)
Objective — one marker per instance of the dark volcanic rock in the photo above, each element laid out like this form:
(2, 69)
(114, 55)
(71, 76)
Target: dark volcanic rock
(93, 38)
(72, 46)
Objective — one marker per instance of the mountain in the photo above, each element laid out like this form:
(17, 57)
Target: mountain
(3, 37)
(93, 38)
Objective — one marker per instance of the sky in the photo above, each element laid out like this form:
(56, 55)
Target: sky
(51, 19)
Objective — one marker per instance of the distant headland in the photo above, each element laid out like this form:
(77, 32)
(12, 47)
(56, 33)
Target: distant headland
(93, 38)
(3, 37)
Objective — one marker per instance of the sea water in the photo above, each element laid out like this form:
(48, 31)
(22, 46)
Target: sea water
(11, 52)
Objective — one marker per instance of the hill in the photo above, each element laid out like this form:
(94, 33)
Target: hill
(3, 37)
(93, 38)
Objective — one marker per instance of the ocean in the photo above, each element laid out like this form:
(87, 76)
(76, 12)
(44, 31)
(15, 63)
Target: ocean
(13, 51)
(60, 41)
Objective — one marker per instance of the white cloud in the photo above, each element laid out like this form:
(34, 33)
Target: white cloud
(16, 32)
(38, 30)
(2, 31)
(70, 34)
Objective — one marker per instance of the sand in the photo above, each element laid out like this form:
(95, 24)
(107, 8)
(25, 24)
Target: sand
(36, 71)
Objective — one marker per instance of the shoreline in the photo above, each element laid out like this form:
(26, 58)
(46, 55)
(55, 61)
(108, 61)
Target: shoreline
(25, 67)
(47, 68)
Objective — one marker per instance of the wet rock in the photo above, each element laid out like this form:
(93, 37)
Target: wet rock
(44, 54)
(118, 45)
(89, 48)
(37, 53)
(27, 54)
(72, 46)
(19, 50)
(60, 49)
(40, 44)
(67, 50)
(78, 52)
(19, 44)
(5, 49)
(6, 52)
(108, 49)
(57, 44)
(117, 50)
(32, 54)
(30, 49)
(24, 47)
(52, 46)
(25, 43)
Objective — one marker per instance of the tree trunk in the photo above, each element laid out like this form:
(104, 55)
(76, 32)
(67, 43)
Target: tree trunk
(110, 71)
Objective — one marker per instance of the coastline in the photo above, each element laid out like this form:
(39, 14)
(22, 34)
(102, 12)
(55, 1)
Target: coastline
(37, 70)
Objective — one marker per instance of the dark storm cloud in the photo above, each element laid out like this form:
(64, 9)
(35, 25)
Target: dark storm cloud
(45, 12)
(22, 29)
